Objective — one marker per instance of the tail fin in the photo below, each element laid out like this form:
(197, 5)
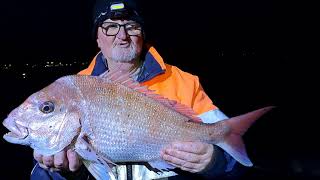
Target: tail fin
(233, 143)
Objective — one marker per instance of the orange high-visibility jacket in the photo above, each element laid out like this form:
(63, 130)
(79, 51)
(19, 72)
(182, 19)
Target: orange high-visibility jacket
(166, 80)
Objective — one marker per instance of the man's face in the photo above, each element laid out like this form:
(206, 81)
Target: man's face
(121, 47)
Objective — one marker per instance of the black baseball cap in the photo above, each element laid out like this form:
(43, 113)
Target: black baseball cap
(116, 9)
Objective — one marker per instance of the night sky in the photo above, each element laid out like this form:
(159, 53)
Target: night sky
(247, 54)
(36, 29)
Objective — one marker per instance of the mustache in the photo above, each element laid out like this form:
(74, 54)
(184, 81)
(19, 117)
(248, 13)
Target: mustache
(116, 43)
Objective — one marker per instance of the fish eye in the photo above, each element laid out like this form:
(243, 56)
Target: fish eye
(47, 107)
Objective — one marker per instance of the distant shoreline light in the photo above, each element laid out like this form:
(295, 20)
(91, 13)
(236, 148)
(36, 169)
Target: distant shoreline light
(47, 64)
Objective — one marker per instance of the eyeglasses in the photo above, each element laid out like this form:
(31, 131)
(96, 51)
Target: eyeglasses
(112, 28)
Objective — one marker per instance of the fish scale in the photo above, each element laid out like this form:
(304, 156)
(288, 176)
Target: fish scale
(121, 125)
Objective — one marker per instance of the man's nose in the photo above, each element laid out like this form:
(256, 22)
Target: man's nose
(122, 34)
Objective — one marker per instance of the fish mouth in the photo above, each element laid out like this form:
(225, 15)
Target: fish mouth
(13, 135)
(17, 133)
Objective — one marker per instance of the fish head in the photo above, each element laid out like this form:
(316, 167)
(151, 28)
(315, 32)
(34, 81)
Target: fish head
(47, 121)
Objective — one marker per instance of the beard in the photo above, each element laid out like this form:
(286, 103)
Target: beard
(124, 54)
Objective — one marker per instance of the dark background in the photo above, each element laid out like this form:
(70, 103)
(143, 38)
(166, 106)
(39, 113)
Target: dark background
(247, 54)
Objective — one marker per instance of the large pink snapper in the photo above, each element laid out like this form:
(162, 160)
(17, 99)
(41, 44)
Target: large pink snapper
(110, 119)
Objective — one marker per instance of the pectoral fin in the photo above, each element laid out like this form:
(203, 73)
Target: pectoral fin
(160, 165)
(99, 171)
(96, 164)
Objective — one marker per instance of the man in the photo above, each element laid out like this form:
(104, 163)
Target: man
(119, 31)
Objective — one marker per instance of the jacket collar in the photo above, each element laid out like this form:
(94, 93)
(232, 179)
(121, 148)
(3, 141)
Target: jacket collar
(152, 66)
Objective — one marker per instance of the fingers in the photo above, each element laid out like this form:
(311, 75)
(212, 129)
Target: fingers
(37, 156)
(180, 163)
(74, 161)
(192, 147)
(60, 160)
(188, 156)
(48, 161)
(64, 160)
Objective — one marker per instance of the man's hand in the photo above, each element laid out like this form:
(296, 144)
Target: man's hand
(188, 156)
(64, 160)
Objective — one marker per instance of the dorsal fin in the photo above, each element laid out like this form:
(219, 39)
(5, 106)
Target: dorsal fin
(125, 80)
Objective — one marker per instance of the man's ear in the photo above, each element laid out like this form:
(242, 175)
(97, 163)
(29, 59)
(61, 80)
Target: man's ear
(98, 40)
